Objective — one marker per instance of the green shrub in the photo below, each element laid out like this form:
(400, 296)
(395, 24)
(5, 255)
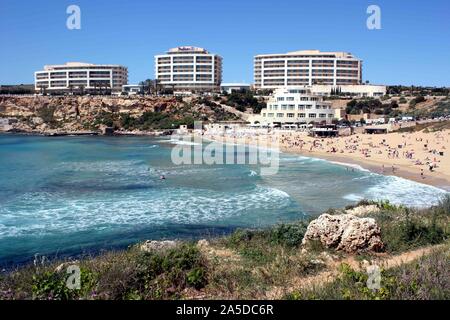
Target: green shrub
(289, 235)
(386, 205)
(256, 254)
(166, 273)
(105, 118)
(443, 208)
(240, 236)
(52, 285)
(197, 278)
(411, 230)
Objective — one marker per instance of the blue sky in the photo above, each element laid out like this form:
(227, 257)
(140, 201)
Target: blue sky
(413, 46)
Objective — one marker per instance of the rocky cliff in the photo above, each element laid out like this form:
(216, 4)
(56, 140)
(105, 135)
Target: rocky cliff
(79, 114)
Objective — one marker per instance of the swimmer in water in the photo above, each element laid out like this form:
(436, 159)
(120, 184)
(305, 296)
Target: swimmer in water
(162, 177)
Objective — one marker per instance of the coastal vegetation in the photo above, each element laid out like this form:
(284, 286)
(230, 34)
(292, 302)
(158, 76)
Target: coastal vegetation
(440, 109)
(393, 106)
(417, 90)
(270, 263)
(426, 278)
(371, 105)
(241, 100)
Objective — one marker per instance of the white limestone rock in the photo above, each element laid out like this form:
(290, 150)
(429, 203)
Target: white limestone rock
(345, 232)
(150, 245)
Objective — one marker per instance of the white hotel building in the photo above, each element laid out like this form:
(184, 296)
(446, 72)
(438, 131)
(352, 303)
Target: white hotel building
(294, 106)
(189, 69)
(77, 75)
(320, 71)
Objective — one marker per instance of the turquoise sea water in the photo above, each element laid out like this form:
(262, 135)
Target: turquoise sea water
(73, 195)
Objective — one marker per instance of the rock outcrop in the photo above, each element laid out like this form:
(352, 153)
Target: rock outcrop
(345, 232)
(363, 210)
(71, 114)
(149, 246)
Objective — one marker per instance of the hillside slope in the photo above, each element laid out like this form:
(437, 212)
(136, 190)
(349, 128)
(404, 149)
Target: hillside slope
(75, 114)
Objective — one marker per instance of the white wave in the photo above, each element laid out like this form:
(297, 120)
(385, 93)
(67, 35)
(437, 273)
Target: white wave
(401, 191)
(301, 159)
(182, 142)
(353, 197)
(306, 159)
(53, 213)
(351, 165)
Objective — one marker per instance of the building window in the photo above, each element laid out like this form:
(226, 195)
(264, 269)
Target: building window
(284, 107)
(280, 115)
(322, 115)
(270, 115)
(280, 98)
(302, 115)
(289, 98)
(311, 115)
(290, 115)
(291, 107)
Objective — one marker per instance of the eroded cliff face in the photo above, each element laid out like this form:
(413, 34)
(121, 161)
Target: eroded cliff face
(76, 114)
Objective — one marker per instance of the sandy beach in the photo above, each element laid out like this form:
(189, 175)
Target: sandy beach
(419, 156)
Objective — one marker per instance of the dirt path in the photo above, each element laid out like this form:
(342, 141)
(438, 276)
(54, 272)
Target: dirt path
(332, 271)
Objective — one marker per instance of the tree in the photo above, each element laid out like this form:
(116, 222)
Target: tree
(149, 86)
(394, 104)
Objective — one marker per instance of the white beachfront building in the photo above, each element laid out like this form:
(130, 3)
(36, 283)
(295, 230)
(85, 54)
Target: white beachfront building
(294, 106)
(324, 73)
(78, 75)
(234, 87)
(133, 89)
(190, 69)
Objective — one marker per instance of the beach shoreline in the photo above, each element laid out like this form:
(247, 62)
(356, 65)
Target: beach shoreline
(378, 166)
(437, 179)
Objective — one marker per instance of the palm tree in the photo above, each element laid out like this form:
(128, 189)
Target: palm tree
(146, 85)
(157, 86)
